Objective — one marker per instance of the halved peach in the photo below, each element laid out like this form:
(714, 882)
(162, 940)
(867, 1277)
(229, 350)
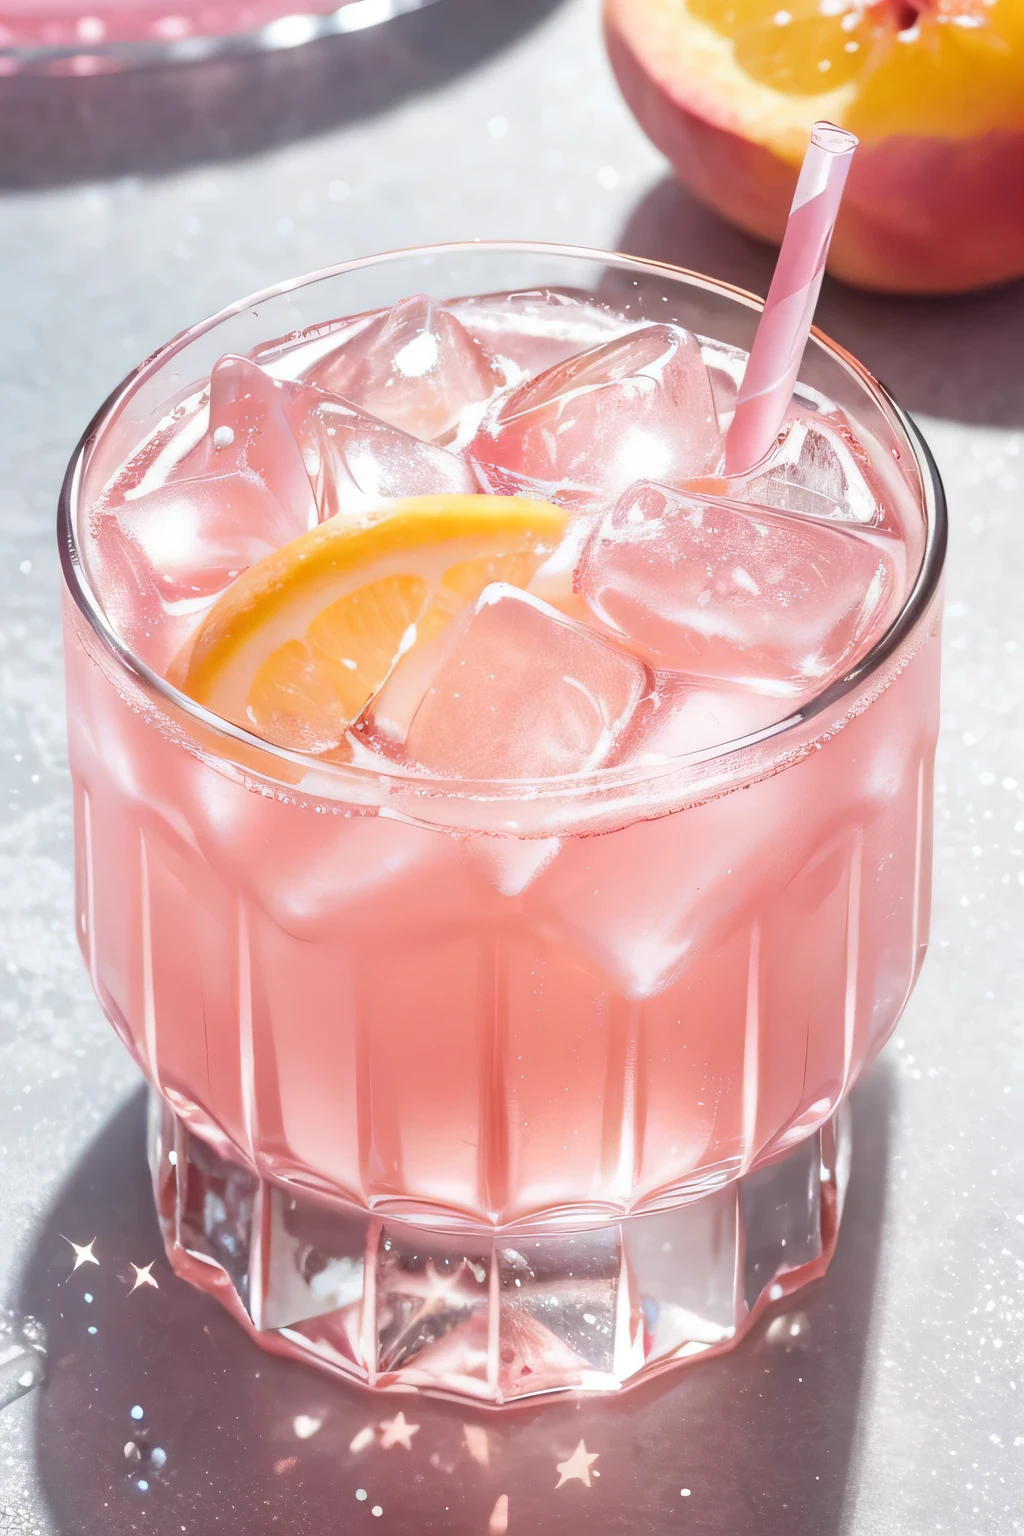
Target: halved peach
(934, 89)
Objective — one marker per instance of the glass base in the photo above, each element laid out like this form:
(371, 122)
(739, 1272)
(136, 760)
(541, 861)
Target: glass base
(496, 1316)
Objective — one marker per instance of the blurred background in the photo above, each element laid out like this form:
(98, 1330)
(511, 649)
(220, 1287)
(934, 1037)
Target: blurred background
(131, 204)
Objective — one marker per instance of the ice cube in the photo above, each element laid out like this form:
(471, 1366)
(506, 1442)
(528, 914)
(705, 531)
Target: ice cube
(679, 717)
(143, 609)
(553, 581)
(295, 355)
(396, 703)
(357, 460)
(637, 407)
(199, 534)
(512, 864)
(416, 368)
(726, 366)
(316, 450)
(462, 584)
(250, 435)
(534, 329)
(523, 693)
(739, 593)
(242, 492)
(818, 469)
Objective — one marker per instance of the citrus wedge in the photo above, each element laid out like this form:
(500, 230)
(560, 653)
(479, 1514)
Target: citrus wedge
(297, 647)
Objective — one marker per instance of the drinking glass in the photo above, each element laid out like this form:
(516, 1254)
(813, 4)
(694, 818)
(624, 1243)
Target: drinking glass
(500, 1088)
(78, 38)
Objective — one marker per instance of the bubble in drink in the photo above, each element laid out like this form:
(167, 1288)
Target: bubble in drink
(523, 692)
(415, 367)
(637, 407)
(723, 590)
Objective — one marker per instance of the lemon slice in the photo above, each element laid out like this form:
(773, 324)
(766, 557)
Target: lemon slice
(297, 646)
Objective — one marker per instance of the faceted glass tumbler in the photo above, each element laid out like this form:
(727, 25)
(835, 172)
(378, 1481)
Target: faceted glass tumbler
(500, 1088)
(488, 1316)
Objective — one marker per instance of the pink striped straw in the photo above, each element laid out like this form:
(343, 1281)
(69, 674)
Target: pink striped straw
(785, 324)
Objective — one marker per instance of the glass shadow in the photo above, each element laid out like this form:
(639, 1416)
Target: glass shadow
(957, 357)
(160, 1414)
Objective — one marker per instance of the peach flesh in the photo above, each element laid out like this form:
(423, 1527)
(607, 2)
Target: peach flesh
(920, 214)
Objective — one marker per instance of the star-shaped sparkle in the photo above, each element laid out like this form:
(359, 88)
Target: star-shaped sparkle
(143, 1276)
(397, 1432)
(83, 1253)
(578, 1466)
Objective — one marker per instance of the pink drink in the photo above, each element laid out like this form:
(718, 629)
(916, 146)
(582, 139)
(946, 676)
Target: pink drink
(435, 1000)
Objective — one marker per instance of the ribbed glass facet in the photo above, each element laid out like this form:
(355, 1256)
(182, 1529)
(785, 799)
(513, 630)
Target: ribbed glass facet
(498, 1318)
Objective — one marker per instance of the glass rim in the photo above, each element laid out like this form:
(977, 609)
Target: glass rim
(916, 604)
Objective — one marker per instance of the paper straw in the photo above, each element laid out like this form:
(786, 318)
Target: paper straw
(785, 325)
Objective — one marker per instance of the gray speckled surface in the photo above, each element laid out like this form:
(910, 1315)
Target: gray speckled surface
(132, 207)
